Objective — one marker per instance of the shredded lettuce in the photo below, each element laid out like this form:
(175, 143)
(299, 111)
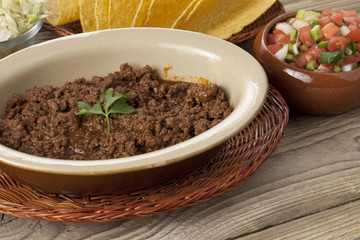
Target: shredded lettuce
(18, 16)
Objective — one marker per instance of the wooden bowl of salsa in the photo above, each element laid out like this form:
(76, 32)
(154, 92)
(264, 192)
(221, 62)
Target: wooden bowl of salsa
(312, 60)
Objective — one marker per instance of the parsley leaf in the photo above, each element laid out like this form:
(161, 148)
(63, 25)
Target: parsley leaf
(118, 102)
(352, 45)
(110, 98)
(332, 57)
(121, 106)
(85, 108)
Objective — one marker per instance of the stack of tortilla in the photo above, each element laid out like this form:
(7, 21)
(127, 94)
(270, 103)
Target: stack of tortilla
(219, 18)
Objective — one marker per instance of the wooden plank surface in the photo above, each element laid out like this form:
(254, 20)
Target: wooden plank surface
(341, 223)
(308, 189)
(294, 5)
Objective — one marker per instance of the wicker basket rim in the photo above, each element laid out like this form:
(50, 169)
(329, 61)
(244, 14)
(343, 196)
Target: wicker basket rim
(233, 165)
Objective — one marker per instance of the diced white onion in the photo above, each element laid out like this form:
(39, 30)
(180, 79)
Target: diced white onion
(344, 30)
(308, 18)
(299, 23)
(350, 51)
(284, 27)
(323, 67)
(298, 43)
(281, 54)
(295, 49)
(349, 67)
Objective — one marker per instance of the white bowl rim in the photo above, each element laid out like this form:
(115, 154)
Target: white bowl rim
(212, 136)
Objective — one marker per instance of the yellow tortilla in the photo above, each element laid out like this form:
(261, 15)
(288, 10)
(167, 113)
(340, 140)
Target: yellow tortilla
(87, 15)
(62, 11)
(226, 18)
(122, 13)
(102, 14)
(141, 13)
(164, 13)
(185, 14)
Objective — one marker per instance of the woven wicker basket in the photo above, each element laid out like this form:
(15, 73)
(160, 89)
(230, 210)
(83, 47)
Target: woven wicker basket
(247, 33)
(235, 162)
(238, 159)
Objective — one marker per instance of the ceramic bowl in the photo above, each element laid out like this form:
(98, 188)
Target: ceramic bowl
(188, 55)
(25, 40)
(309, 92)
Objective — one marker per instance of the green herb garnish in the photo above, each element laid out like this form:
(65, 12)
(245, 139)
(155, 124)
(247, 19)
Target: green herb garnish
(348, 50)
(113, 103)
(332, 57)
(352, 45)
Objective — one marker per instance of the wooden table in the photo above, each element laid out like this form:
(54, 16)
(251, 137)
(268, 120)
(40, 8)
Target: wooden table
(309, 188)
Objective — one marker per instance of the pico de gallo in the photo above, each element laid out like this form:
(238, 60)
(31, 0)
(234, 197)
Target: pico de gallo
(327, 41)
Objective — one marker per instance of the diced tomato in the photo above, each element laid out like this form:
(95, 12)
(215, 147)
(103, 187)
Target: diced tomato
(337, 42)
(330, 30)
(282, 39)
(349, 13)
(328, 12)
(353, 20)
(315, 52)
(354, 33)
(270, 39)
(323, 39)
(337, 18)
(277, 32)
(305, 37)
(350, 59)
(300, 60)
(274, 48)
(324, 20)
(308, 57)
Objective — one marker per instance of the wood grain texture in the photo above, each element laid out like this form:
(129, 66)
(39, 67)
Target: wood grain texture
(341, 223)
(308, 189)
(294, 5)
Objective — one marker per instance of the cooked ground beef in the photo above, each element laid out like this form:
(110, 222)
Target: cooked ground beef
(166, 113)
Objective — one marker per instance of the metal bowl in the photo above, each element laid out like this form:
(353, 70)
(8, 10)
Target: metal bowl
(25, 40)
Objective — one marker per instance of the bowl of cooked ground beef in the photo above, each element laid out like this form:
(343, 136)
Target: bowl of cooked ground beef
(122, 109)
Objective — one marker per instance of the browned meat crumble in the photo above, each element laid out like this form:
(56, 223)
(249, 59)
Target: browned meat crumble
(166, 113)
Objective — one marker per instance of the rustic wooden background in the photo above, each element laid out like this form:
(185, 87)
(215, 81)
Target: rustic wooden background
(308, 189)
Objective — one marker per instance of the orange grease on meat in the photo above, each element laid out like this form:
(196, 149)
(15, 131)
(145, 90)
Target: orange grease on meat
(185, 78)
